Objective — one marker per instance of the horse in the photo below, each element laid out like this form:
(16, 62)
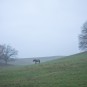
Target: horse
(36, 61)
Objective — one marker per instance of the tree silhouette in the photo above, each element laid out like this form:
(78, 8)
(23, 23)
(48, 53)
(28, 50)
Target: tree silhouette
(7, 53)
(83, 38)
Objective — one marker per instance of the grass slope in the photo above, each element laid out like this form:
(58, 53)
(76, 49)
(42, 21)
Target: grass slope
(65, 72)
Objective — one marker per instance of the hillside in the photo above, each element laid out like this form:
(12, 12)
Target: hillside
(29, 61)
(70, 71)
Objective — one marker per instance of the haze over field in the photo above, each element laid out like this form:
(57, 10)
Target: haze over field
(42, 27)
(29, 61)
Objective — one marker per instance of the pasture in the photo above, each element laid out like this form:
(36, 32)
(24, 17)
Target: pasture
(70, 71)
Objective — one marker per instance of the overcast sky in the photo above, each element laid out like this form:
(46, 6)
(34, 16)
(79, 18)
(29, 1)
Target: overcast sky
(42, 27)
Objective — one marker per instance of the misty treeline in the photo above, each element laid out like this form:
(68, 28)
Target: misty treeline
(7, 53)
(83, 38)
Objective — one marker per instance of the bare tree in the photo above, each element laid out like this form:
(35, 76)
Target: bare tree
(83, 38)
(7, 53)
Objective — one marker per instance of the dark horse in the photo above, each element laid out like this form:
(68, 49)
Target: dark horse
(36, 60)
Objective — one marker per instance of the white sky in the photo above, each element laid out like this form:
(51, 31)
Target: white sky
(42, 27)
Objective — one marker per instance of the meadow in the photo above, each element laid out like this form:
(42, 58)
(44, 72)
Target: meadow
(70, 71)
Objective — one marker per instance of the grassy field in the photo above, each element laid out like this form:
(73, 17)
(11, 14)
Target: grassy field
(70, 71)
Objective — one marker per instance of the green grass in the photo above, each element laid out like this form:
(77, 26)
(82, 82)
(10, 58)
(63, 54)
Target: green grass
(70, 71)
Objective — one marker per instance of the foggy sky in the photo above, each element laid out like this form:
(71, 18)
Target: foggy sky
(42, 27)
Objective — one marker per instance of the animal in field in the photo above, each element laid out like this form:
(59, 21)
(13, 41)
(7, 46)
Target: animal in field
(36, 61)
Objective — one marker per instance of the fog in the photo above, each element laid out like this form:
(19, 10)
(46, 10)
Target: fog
(38, 28)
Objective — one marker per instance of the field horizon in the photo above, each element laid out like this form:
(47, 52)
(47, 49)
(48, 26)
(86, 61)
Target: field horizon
(29, 61)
